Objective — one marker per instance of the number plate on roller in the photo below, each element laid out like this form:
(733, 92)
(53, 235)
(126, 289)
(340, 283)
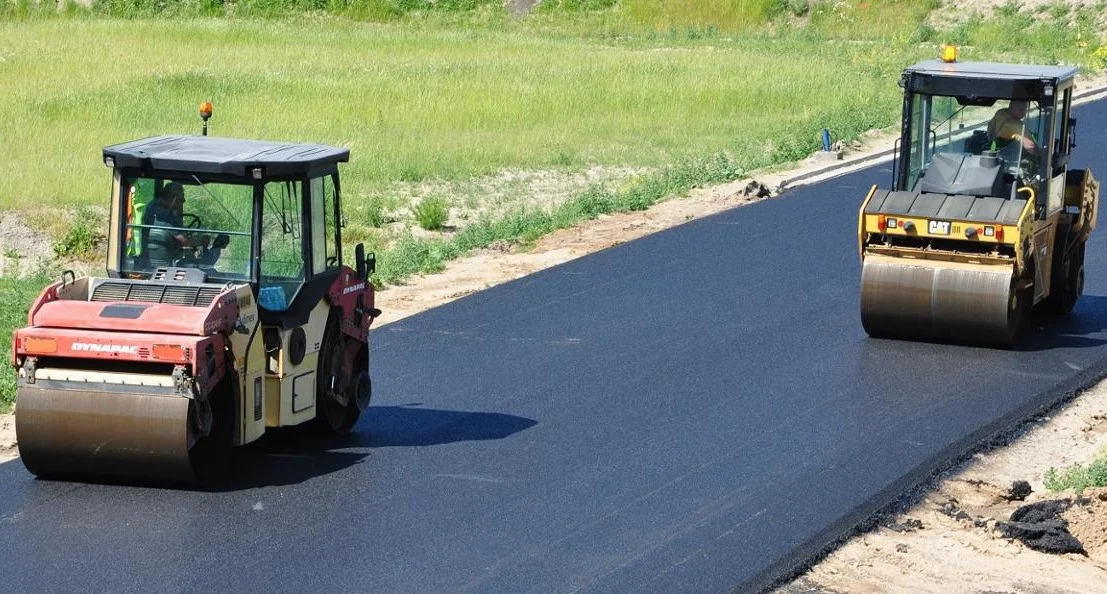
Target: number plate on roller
(938, 227)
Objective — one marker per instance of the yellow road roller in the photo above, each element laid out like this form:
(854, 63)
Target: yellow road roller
(985, 219)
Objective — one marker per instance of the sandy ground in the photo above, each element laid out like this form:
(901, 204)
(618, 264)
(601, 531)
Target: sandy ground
(7, 437)
(22, 249)
(956, 12)
(945, 543)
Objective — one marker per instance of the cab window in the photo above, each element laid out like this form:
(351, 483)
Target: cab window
(186, 223)
(282, 240)
(324, 225)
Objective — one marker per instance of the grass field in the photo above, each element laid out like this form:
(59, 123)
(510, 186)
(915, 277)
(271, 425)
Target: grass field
(422, 101)
(415, 104)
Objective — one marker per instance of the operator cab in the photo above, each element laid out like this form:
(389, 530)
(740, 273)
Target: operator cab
(986, 130)
(234, 211)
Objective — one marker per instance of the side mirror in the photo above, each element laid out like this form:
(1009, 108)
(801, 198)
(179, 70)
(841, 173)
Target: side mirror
(1072, 133)
(366, 265)
(359, 260)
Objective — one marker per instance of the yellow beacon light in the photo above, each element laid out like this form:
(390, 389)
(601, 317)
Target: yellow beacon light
(949, 53)
(205, 114)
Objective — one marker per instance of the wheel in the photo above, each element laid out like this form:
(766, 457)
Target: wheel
(336, 397)
(362, 388)
(1020, 311)
(211, 457)
(1068, 282)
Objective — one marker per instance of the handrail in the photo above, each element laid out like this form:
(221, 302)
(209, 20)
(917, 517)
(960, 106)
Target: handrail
(190, 230)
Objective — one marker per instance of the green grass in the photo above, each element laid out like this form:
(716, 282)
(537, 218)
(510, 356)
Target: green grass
(640, 84)
(1078, 476)
(414, 103)
(15, 298)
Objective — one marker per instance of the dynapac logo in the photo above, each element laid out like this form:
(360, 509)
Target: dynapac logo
(92, 347)
(353, 288)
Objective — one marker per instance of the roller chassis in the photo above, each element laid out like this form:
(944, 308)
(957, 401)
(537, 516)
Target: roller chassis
(968, 258)
(154, 374)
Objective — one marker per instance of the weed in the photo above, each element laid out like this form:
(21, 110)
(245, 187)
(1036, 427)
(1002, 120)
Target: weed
(83, 238)
(793, 7)
(1099, 57)
(375, 215)
(432, 212)
(1078, 477)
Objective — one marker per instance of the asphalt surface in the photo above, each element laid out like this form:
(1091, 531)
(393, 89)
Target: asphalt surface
(698, 410)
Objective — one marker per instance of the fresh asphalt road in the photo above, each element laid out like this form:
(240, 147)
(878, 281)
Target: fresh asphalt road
(698, 410)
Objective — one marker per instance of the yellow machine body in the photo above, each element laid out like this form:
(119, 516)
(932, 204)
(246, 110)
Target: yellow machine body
(984, 220)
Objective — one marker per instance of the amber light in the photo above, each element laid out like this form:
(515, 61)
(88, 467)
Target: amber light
(949, 53)
(999, 233)
(882, 223)
(40, 346)
(205, 109)
(168, 352)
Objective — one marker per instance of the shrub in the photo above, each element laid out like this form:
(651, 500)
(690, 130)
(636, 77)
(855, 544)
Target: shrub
(431, 213)
(1078, 477)
(83, 237)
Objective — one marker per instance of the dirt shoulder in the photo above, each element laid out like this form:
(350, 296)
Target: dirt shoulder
(7, 437)
(948, 542)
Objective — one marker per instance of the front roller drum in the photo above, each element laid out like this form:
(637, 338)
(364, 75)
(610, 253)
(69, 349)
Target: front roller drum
(71, 433)
(983, 305)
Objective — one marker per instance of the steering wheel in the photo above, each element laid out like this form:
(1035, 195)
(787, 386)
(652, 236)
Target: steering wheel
(192, 221)
(1028, 166)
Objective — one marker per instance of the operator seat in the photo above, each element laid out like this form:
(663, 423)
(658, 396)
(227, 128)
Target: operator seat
(976, 143)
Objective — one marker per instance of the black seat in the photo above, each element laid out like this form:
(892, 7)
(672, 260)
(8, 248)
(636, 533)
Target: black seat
(976, 143)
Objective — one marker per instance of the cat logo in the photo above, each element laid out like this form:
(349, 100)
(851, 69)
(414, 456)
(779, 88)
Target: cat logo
(938, 228)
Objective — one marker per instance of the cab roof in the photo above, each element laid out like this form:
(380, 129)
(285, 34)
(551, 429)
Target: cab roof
(993, 70)
(977, 80)
(226, 156)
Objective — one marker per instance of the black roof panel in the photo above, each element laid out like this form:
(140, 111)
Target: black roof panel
(994, 70)
(225, 156)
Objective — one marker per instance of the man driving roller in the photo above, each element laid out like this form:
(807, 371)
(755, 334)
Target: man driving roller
(1007, 127)
(167, 209)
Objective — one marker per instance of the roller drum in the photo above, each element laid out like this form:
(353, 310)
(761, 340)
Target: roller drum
(63, 432)
(942, 301)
